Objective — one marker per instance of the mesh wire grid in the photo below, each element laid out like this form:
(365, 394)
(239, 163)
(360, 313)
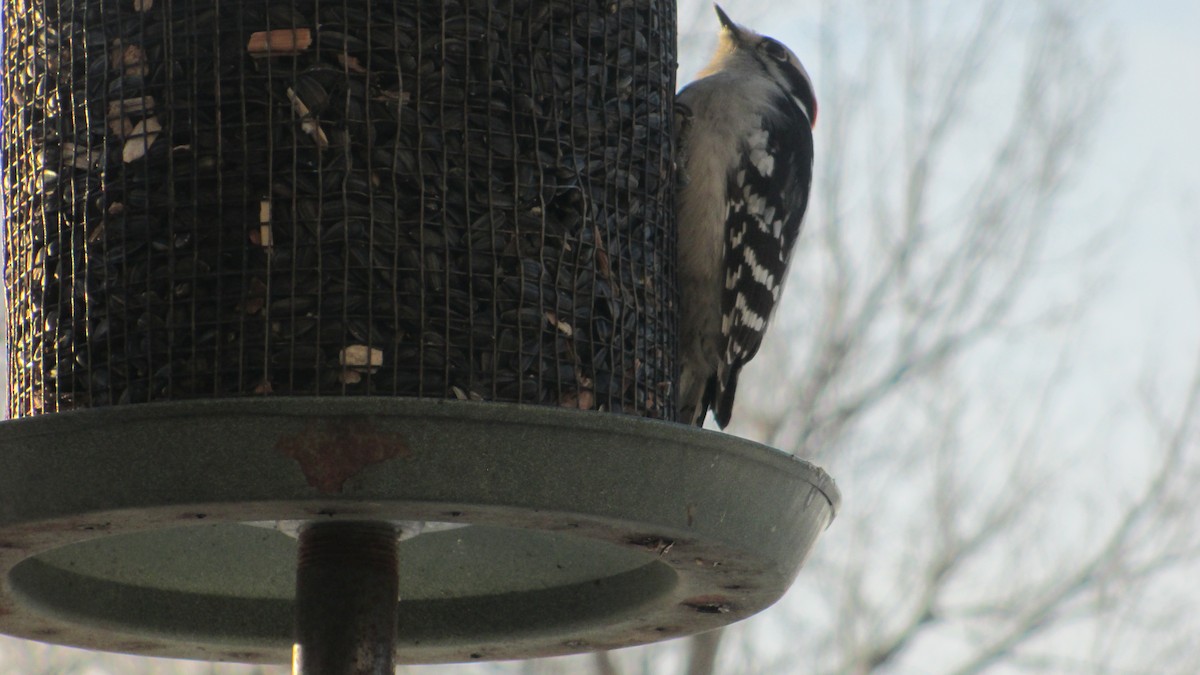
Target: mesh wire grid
(459, 199)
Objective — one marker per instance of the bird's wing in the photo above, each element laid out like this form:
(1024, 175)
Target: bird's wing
(768, 194)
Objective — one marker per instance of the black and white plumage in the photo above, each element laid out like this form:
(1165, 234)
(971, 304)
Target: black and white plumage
(744, 153)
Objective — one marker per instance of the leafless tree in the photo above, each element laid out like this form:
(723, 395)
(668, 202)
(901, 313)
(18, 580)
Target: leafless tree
(931, 251)
(929, 357)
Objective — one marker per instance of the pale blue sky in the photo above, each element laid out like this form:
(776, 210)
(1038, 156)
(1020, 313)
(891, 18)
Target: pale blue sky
(1147, 159)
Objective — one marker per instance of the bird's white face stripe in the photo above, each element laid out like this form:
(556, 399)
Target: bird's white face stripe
(803, 108)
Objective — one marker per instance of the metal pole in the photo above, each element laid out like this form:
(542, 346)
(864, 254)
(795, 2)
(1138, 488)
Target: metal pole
(346, 590)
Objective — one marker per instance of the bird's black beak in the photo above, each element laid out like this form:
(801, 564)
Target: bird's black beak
(735, 31)
(725, 20)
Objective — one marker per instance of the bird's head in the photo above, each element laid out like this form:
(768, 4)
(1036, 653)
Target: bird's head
(776, 60)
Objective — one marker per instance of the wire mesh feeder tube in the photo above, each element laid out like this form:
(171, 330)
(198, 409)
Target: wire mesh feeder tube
(465, 199)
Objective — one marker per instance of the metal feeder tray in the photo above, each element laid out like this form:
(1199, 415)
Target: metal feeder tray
(126, 529)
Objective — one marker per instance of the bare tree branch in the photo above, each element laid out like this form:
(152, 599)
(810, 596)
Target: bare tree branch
(702, 655)
(604, 664)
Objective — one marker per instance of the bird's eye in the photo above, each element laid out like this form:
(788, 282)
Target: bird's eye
(775, 50)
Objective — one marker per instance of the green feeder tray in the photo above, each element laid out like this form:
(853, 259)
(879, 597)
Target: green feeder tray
(546, 531)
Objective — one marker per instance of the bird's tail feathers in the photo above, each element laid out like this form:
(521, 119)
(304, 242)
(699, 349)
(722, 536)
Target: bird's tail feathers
(723, 390)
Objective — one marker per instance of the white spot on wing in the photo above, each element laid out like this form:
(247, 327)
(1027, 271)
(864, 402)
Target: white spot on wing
(759, 156)
(761, 274)
(735, 348)
(748, 317)
(736, 237)
(756, 206)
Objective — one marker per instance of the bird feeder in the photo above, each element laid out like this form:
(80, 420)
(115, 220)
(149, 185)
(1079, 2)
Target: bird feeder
(360, 270)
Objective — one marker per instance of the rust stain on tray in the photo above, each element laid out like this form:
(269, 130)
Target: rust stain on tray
(330, 452)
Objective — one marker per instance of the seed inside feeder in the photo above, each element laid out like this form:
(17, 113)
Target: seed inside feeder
(482, 194)
(280, 42)
(361, 357)
(141, 137)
